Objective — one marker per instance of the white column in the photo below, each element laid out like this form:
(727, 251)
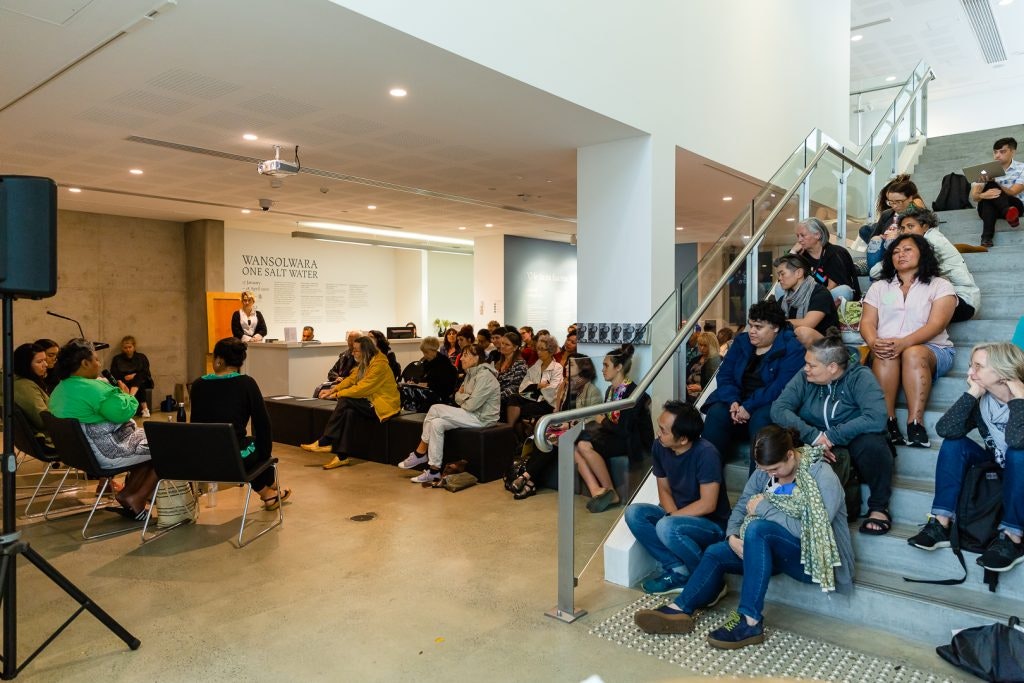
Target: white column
(488, 281)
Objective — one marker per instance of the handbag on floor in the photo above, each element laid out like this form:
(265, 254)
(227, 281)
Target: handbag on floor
(175, 502)
(992, 653)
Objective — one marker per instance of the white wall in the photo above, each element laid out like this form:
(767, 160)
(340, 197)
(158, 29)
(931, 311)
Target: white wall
(741, 82)
(449, 289)
(411, 290)
(949, 114)
(488, 281)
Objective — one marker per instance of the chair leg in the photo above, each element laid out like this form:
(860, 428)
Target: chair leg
(68, 511)
(280, 512)
(42, 478)
(85, 527)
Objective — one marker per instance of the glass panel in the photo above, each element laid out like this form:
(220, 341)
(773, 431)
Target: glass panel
(859, 206)
(823, 189)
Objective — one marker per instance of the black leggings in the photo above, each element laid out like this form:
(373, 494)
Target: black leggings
(991, 210)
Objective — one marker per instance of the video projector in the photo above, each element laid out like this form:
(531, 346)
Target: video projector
(277, 168)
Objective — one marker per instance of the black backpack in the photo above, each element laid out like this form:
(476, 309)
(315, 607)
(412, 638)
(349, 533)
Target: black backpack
(954, 194)
(979, 509)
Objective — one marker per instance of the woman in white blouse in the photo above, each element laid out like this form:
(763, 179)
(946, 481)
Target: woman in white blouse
(247, 324)
(904, 323)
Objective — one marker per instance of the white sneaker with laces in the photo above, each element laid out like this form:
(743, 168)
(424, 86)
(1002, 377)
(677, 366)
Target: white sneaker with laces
(426, 477)
(145, 412)
(414, 459)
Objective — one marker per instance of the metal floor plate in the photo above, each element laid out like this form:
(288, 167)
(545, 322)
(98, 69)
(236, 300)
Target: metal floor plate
(783, 654)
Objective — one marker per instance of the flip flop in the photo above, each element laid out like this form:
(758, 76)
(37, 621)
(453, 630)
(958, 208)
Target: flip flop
(271, 504)
(884, 524)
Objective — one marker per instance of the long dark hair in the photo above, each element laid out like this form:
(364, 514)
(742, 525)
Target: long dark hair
(382, 341)
(21, 363)
(927, 265)
(71, 355)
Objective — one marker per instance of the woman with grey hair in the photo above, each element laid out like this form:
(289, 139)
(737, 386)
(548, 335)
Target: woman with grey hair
(831, 265)
(839, 405)
(537, 390)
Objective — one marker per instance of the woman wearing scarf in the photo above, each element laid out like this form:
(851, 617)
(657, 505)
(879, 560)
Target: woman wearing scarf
(992, 404)
(807, 304)
(790, 518)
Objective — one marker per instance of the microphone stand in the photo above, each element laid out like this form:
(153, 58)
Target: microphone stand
(11, 543)
(99, 346)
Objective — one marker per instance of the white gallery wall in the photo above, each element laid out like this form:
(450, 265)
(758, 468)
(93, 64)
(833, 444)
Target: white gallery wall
(741, 82)
(338, 287)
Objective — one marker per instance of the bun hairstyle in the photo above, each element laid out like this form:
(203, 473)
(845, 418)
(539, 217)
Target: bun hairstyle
(831, 349)
(71, 356)
(232, 351)
(622, 356)
(773, 444)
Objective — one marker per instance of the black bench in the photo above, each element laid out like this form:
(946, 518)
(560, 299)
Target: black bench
(296, 421)
(487, 450)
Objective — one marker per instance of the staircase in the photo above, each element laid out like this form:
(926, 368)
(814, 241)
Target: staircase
(882, 599)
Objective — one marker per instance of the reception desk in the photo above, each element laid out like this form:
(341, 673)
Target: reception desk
(295, 368)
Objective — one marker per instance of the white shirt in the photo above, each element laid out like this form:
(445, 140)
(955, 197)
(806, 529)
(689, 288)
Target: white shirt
(954, 268)
(553, 376)
(899, 316)
(1014, 175)
(248, 324)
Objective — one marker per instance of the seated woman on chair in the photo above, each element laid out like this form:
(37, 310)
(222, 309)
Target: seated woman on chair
(790, 518)
(51, 348)
(610, 434)
(478, 406)
(226, 395)
(368, 393)
(511, 368)
(537, 391)
(29, 367)
(132, 368)
(106, 413)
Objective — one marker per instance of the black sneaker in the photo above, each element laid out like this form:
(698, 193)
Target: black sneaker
(892, 429)
(1002, 555)
(917, 435)
(931, 537)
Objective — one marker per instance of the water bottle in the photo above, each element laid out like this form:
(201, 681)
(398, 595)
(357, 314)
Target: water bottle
(211, 495)
(181, 413)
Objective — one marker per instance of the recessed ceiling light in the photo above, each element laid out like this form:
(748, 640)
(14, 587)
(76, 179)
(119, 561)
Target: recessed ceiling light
(890, 79)
(76, 190)
(371, 207)
(401, 234)
(462, 227)
(398, 92)
(250, 136)
(488, 225)
(1005, 2)
(246, 210)
(136, 171)
(726, 199)
(854, 39)
(790, 220)
(679, 227)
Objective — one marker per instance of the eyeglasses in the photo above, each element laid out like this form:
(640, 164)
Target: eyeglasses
(897, 202)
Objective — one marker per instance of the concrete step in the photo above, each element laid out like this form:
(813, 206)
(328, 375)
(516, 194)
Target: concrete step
(917, 463)
(891, 553)
(911, 500)
(884, 600)
(981, 329)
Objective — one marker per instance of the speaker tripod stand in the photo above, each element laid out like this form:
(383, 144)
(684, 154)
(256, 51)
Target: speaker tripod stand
(11, 545)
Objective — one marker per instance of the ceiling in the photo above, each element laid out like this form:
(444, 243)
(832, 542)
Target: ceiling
(938, 32)
(100, 90)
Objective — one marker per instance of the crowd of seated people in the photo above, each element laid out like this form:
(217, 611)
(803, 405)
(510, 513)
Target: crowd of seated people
(536, 393)
(897, 196)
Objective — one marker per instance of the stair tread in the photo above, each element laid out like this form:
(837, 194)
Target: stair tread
(993, 605)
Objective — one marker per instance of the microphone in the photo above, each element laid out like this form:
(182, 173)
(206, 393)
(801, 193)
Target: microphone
(109, 377)
(99, 346)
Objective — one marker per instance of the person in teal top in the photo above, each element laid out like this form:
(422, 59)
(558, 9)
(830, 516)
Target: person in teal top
(105, 412)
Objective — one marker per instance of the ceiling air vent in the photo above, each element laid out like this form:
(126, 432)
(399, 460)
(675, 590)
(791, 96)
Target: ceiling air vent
(979, 13)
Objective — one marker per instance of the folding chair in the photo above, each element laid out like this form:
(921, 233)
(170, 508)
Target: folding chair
(26, 442)
(76, 452)
(203, 452)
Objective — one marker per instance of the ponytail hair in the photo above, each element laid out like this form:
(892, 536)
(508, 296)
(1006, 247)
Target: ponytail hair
(773, 444)
(831, 349)
(622, 357)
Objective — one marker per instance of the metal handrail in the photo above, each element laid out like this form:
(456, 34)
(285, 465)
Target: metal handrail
(926, 78)
(738, 261)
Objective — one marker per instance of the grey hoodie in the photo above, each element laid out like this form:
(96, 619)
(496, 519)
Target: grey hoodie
(480, 393)
(844, 409)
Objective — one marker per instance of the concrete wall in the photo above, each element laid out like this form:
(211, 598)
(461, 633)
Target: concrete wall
(117, 275)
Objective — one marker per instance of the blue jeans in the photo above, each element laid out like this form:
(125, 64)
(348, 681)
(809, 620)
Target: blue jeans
(671, 540)
(955, 456)
(768, 549)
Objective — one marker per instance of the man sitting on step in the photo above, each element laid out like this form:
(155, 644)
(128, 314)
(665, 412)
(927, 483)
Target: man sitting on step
(693, 507)
(994, 405)
(1000, 197)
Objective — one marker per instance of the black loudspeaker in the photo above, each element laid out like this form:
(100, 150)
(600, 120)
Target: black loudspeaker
(28, 236)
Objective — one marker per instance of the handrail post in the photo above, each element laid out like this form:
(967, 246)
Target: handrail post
(566, 610)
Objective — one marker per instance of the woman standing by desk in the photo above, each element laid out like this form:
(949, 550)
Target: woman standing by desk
(247, 324)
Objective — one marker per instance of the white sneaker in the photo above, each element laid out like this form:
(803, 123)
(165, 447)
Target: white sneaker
(426, 477)
(145, 412)
(414, 460)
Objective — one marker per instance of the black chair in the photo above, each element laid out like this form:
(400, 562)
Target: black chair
(205, 452)
(76, 452)
(26, 442)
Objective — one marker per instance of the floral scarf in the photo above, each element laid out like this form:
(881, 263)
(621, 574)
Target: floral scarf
(818, 551)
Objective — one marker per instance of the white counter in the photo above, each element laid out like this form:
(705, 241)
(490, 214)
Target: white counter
(295, 368)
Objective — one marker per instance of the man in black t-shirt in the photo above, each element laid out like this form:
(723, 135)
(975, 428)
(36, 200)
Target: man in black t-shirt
(693, 508)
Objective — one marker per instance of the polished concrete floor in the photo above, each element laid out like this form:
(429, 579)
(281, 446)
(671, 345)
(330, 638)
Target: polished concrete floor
(438, 586)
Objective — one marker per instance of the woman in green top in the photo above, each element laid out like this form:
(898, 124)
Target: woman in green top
(105, 412)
